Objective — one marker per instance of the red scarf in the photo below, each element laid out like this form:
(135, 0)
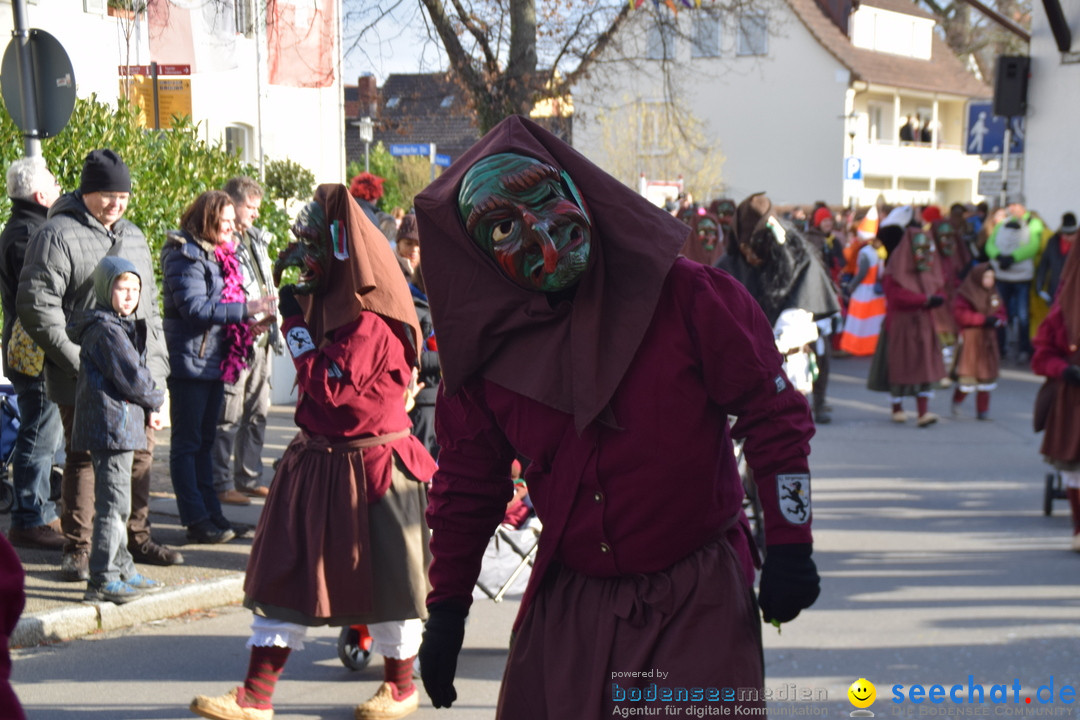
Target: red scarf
(239, 334)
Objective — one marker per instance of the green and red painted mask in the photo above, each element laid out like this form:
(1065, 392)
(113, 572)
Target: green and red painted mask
(529, 217)
(946, 238)
(923, 248)
(311, 251)
(708, 234)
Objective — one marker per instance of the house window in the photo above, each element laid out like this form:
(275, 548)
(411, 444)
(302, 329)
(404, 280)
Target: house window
(236, 141)
(880, 123)
(706, 36)
(753, 34)
(661, 42)
(242, 11)
(97, 7)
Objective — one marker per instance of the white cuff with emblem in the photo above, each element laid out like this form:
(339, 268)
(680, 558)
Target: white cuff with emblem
(793, 493)
(299, 341)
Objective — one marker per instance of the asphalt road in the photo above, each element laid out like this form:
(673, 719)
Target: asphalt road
(938, 567)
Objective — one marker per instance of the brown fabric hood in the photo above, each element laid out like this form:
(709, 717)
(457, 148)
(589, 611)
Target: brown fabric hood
(972, 290)
(901, 267)
(572, 356)
(368, 279)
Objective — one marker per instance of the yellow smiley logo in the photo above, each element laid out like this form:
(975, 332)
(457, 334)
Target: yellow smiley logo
(862, 693)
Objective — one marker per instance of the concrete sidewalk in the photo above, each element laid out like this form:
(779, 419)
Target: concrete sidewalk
(211, 576)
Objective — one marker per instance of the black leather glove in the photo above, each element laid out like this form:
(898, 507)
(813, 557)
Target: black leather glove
(935, 301)
(789, 582)
(443, 634)
(991, 321)
(287, 304)
(1005, 261)
(1071, 375)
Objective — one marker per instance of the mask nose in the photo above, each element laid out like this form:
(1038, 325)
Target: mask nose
(541, 237)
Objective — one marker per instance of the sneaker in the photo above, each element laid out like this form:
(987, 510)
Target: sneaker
(226, 707)
(42, 537)
(240, 529)
(899, 416)
(232, 497)
(822, 416)
(150, 553)
(144, 584)
(927, 419)
(117, 591)
(384, 706)
(206, 533)
(75, 566)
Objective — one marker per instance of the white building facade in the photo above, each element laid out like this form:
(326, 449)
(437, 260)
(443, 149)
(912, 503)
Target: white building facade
(225, 44)
(788, 94)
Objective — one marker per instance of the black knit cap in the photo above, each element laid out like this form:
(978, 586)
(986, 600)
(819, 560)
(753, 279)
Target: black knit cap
(104, 171)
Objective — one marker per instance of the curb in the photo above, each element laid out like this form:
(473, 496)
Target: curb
(85, 618)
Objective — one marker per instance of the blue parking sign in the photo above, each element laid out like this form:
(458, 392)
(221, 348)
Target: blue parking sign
(852, 168)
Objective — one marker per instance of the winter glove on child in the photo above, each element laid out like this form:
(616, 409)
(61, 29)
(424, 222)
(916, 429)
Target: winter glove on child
(789, 582)
(444, 633)
(1071, 375)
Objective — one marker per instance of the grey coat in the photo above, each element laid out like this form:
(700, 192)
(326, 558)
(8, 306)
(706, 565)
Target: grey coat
(57, 280)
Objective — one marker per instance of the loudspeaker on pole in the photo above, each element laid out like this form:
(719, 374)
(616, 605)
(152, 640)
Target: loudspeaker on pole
(1010, 85)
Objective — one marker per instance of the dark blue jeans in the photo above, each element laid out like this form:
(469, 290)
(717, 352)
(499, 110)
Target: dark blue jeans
(1015, 295)
(195, 406)
(36, 443)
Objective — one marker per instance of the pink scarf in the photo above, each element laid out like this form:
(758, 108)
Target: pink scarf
(239, 334)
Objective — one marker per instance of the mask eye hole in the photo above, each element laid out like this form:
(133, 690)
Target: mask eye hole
(501, 231)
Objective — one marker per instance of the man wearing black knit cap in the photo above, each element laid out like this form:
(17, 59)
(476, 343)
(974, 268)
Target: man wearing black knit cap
(83, 227)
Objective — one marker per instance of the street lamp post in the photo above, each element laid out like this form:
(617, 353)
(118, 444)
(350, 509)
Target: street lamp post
(367, 132)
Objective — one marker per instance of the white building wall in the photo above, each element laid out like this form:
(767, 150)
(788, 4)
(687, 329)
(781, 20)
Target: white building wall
(305, 125)
(1051, 153)
(777, 120)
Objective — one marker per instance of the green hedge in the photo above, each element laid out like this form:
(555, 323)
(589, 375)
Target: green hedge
(169, 168)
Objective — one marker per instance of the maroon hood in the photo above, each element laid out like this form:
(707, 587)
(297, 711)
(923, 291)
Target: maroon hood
(570, 357)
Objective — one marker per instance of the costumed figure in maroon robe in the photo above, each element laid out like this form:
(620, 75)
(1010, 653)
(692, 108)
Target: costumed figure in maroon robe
(1057, 357)
(908, 358)
(704, 242)
(572, 333)
(955, 262)
(342, 539)
(978, 311)
(12, 601)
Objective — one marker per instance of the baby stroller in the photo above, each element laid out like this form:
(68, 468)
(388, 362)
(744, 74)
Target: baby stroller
(1053, 490)
(9, 428)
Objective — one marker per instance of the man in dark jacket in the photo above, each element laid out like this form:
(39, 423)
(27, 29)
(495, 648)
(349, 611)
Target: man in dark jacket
(83, 227)
(34, 523)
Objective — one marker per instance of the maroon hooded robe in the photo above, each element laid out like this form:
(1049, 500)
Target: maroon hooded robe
(620, 397)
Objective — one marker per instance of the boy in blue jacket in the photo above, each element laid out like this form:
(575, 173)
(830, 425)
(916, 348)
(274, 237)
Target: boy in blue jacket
(115, 398)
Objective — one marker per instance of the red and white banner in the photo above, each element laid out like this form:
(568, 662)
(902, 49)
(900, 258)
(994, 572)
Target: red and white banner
(300, 40)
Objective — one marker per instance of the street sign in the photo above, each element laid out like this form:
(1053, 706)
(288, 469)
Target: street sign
(53, 84)
(442, 160)
(400, 149)
(161, 70)
(174, 98)
(990, 182)
(852, 168)
(986, 131)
